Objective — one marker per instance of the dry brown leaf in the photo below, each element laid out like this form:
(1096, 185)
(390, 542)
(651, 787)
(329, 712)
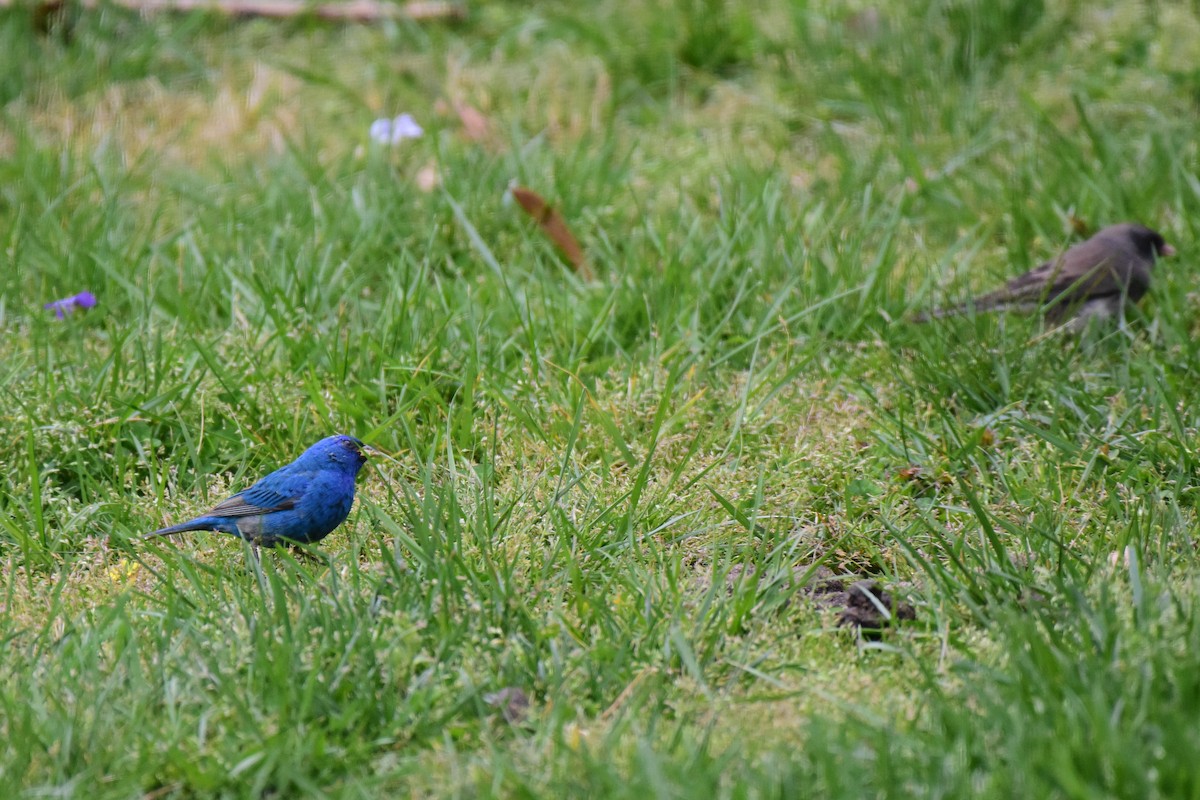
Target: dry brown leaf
(476, 126)
(555, 228)
(866, 24)
(427, 178)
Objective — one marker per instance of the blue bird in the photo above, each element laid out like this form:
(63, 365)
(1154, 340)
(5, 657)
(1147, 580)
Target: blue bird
(300, 503)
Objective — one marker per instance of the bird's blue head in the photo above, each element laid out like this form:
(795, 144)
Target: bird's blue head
(345, 451)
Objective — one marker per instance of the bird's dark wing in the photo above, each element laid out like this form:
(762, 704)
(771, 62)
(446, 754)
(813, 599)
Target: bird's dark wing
(1109, 266)
(241, 505)
(1040, 283)
(1077, 275)
(1091, 269)
(278, 491)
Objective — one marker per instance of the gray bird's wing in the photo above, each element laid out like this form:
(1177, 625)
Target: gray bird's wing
(1110, 267)
(1092, 269)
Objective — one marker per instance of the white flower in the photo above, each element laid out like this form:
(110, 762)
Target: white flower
(381, 130)
(394, 131)
(405, 127)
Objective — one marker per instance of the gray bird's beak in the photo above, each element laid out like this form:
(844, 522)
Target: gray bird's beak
(1167, 251)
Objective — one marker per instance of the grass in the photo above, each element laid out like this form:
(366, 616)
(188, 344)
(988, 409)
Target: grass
(607, 494)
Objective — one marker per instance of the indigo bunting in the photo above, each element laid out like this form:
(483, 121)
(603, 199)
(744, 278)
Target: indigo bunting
(300, 503)
(1095, 278)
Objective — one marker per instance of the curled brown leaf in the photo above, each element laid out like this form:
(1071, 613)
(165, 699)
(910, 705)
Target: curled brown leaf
(555, 227)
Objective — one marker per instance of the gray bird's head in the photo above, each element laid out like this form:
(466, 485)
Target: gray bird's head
(1145, 242)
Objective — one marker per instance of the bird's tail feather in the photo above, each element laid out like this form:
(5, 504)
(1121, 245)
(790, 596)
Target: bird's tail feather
(183, 527)
(948, 311)
(980, 305)
(938, 313)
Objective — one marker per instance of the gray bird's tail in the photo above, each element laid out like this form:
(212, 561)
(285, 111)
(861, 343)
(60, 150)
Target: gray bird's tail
(997, 301)
(948, 311)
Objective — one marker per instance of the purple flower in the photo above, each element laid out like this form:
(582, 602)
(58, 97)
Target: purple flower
(393, 131)
(69, 304)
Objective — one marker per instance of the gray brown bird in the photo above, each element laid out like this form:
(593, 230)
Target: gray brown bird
(1095, 278)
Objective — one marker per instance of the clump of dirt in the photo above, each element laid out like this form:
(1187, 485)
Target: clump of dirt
(863, 604)
(512, 701)
(860, 601)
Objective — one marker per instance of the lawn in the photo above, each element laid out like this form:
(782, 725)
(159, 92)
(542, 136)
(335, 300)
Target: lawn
(600, 559)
